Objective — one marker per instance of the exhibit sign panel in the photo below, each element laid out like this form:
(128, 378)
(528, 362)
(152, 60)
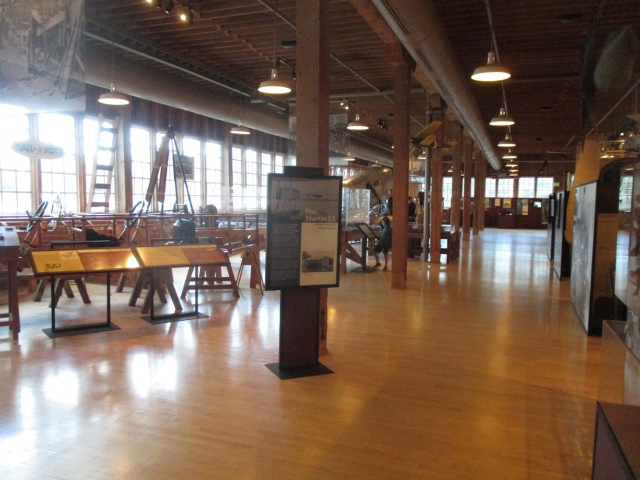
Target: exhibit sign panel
(303, 231)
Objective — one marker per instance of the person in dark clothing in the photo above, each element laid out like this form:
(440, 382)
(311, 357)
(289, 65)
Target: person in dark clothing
(412, 210)
(383, 243)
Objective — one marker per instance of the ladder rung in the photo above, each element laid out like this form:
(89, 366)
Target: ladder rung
(99, 204)
(107, 149)
(103, 186)
(113, 130)
(104, 167)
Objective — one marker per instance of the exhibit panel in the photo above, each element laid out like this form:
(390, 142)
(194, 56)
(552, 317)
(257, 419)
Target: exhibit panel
(582, 255)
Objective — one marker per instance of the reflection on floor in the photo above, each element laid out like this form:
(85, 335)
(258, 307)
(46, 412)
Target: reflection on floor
(479, 369)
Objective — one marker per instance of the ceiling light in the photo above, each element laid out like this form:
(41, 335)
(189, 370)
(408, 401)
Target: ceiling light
(349, 158)
(506, 142)
(274, 86)
(509, 155)
(502, 120)
(357, 124)
(240, 130)
(491, 72)
(511, 165)
(113, 97)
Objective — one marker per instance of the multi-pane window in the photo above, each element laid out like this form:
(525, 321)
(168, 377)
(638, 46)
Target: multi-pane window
(544, 187)
(192, 160)
(266, 167)
(472, 187)
(59, 176)
(251, 180)
(15, 169)
(490, 188)
(141, 160)
(237, 175)
(505, 188)
(214, 175)
(447, 191)
(278, 163)
(526, 187)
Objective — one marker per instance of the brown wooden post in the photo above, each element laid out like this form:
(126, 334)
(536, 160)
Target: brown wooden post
(402, 75)
(436, 200)
(481, 187)
(468, 175)
(456, 174)
(303, 311)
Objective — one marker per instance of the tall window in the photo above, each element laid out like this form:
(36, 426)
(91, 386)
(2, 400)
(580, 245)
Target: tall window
(192, 153)
(141, 160)
(251, 180)
(15, 169)
(59, 176)
(447, 192)
(505, 188)
(214, 175)
(266, 167)
(278, 163)
(544, 187)
(626, 188)
(237, 173)
(490, 188)
(526, 187)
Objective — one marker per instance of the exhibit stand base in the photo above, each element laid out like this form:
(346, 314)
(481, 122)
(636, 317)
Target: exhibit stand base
(173, 317)
(300, 372)
(79, 330)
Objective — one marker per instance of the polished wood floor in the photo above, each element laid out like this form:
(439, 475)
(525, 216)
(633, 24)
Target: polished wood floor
(478, 370)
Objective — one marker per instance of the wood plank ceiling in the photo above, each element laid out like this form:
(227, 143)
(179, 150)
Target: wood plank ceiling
(236, 43)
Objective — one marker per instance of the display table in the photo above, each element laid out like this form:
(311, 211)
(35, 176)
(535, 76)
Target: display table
(9, 256)
(616, 451)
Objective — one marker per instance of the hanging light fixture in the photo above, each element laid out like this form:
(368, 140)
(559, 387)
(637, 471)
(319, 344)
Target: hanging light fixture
(507, 142)
(113, 97)
(274, 86)
(502, 120)
(240, 130)
(492, 71)
(509, 155)
(348, 157)
(357, 125)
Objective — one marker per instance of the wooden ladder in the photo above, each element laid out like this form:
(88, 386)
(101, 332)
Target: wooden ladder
(104, 163)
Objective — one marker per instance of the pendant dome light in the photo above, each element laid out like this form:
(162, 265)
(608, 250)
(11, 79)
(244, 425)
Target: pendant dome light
(492, 71)
(113, 97)
(357, 125)
(507, 142)
(348, 157)
(509, 155)
(274, 86)
(240, 129)
(502, 119)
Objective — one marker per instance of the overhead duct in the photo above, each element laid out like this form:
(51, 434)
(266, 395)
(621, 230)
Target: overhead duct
(418, 27)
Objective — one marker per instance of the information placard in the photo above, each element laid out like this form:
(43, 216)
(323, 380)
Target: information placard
(303, 231)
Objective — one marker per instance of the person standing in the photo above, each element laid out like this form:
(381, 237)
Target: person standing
(383, 243)
(412, 210)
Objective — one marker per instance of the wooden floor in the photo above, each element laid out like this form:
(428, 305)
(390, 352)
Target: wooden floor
(478, 370)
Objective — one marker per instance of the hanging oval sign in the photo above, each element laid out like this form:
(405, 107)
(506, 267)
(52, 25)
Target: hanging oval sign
(38, 149)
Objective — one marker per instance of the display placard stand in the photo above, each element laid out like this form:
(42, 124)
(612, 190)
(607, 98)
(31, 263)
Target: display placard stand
(302, 258)
(54, 263)
(170, 317)
(56, 332)
(299, 334)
